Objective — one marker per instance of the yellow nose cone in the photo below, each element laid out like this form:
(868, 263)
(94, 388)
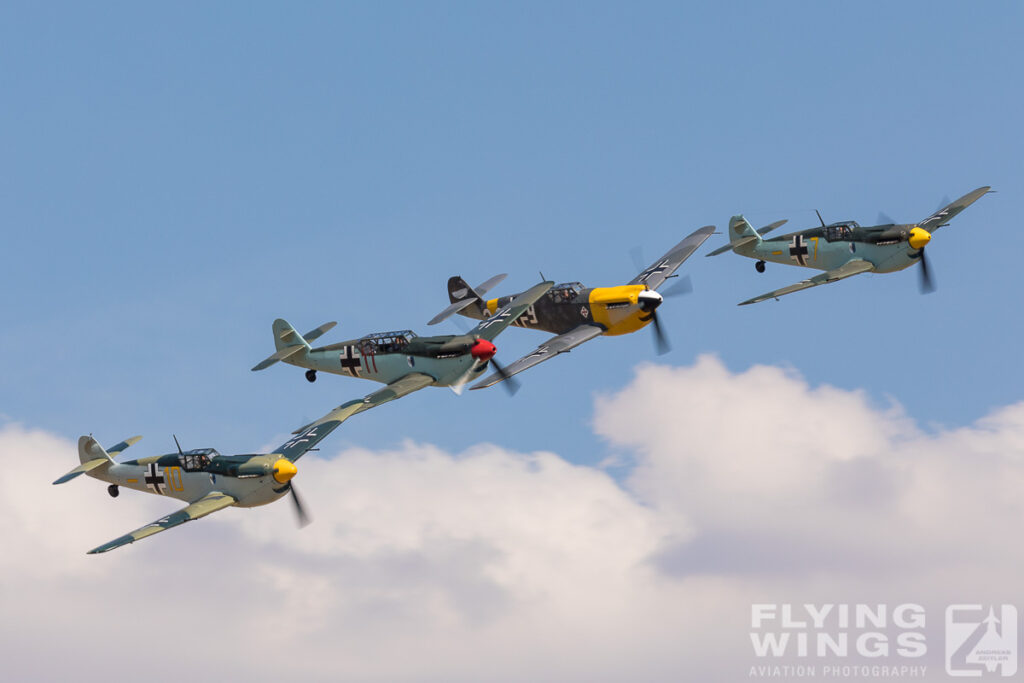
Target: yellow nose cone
(919, 238)
(284, 470)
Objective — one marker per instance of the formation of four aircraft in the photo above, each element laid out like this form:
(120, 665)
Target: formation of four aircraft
(405, 362)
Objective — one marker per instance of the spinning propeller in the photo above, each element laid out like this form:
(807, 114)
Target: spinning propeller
(484, 350)
(918, 238)
(650, 300)
(284, 470)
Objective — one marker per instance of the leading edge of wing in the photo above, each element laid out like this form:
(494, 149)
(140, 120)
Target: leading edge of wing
(549, 349)
(310, 435)
(848, 269)
(655, 274)
(209, 503)
(491, 327)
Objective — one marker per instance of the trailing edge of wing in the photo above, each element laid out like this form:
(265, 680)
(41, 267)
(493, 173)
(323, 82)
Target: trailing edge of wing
(209, 503)
(549, 349)
(848, 269)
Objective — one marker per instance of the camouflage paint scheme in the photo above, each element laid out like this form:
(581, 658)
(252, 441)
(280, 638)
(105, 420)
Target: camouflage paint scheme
(842, 249)
(402, 360)
(205, 479)
(576, 313)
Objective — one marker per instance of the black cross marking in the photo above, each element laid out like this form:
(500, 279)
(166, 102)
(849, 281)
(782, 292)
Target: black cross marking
(154, 478)
(349, 361)
(798, 250)
(301, 438)
(656, 268)
(496, 318)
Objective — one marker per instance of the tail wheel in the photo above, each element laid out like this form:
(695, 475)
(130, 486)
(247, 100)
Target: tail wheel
(310, 375)
(759, 266)
(113, 491)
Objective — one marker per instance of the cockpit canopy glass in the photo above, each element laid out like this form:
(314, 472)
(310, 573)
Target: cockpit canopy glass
(567, 291)
(840, 231)
(385, 342)
(197, 459)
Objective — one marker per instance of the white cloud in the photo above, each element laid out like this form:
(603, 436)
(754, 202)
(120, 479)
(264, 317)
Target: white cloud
(496, 565)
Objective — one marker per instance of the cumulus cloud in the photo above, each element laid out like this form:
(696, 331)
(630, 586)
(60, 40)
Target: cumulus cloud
(495, 565)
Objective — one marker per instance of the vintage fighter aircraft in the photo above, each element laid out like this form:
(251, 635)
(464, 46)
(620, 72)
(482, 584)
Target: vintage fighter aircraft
(205, 479)
(843, 249)
(577, 314)
(402, 360)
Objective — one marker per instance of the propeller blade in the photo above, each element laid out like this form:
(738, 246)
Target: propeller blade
(683, 285)
(510, 383)
(300, 511)
(660, 340)
(883, 219)
(927, 286)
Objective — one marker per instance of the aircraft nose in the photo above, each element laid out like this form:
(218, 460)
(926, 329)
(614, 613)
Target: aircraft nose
(919, 237)
(483, 350)
(649, 299)
(284, 470)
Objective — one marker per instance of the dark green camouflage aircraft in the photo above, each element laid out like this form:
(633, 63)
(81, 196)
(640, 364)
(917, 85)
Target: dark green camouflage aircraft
(577, 314)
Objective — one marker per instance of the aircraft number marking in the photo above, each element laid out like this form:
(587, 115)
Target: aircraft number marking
(174, 481)
(815, 247)
(527, 318)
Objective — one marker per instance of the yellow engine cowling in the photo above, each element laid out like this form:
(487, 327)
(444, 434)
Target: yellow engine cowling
(616, 308)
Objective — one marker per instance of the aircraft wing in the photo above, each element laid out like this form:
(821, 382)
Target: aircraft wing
(309, 436)
(549, 349)
(848, 269)
(655, 275)
(492, 327)
(946, 213)
(209, 503)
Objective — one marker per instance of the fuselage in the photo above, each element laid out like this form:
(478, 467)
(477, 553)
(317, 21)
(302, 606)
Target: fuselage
(188, 476)
(830, 247)
(389, 356)
(567, 306)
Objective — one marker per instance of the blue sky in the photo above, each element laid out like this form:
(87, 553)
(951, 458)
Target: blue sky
(173, 178)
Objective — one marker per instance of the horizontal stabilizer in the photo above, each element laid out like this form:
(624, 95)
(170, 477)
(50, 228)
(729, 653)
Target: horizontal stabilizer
(488, 285)
(452, 310)
(82, 469)
(768, 228)
(318, 332)
(91, 455)
(124, 445)
(279, 355)
(728, 247)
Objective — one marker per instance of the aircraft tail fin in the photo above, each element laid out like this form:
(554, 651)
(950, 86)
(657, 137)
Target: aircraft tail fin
(289, 342)
(464, 299)
(92, 456)
(740, 232)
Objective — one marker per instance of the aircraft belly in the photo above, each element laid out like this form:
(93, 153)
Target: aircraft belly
(893, 258)
(445, 371)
